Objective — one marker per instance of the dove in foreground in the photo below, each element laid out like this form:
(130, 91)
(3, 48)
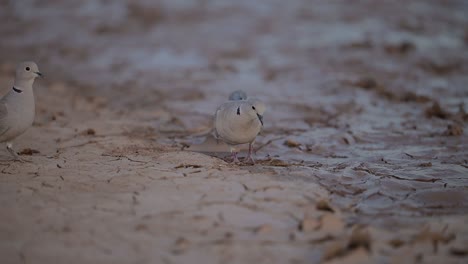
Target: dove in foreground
(17, 108)
(238, 95)
(239, 122)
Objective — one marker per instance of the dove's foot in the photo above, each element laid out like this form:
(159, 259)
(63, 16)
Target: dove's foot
(249, 158)
(15, 155)
(234, 158)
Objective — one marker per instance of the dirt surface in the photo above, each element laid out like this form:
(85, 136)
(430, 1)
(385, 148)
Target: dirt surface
(363, 158)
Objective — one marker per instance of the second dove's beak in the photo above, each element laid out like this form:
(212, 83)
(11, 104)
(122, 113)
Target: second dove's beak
(40, 75)
(260, 117)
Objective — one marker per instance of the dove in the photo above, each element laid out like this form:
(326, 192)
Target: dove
(239, 122)
(17, 108)
(238, 95)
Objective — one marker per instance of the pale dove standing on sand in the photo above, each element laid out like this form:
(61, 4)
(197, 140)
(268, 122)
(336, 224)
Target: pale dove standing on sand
(17, 108)
(238, 95)
(239, 122)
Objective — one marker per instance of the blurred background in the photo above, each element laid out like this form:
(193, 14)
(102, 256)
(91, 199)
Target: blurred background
(365, 98)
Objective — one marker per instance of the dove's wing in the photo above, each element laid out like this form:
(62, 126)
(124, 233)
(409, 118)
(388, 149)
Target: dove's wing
(3, 116)
(221, 122)
(3, 110)
(219, 116)
(215, 131)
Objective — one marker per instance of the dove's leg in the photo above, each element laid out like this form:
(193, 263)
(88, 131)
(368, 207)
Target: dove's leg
(249, 156)
(234, 157)
(10, 149)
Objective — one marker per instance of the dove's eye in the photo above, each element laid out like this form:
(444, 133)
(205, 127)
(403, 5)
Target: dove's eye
(27, 68)
(253, 107)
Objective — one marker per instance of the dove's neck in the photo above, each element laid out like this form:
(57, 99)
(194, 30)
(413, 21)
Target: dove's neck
(24, 85)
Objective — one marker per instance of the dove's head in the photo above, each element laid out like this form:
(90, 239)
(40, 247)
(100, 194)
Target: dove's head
(256, 108)
(27, 71)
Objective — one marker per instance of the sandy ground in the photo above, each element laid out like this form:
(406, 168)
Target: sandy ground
(363, 159)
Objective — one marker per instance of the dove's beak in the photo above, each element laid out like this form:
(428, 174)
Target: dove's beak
(260, 117)
(40, 75)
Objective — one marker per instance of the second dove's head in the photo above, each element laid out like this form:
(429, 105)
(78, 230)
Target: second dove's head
(238, 95)
(27, 70)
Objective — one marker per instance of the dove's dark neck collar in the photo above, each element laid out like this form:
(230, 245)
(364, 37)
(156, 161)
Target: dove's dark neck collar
(17, 90)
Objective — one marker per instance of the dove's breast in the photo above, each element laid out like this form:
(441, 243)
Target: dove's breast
(236, 129)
